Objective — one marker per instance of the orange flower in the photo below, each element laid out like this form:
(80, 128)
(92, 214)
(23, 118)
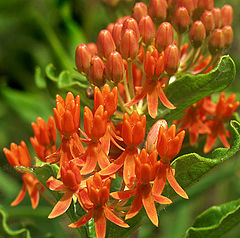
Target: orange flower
(133, 133)
(95, 204)
(19, 156)
(146, 168)
(44, 139)
(168, 146)
(224, 110)
(70, 185)
(67, 114)
(95, 128)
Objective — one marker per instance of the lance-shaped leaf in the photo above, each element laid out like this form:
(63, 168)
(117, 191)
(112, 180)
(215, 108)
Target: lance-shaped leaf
(189, 169)
(215, 221)
(189, 89)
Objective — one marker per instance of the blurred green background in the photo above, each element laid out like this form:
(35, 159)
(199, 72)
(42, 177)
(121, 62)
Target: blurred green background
(34, 34)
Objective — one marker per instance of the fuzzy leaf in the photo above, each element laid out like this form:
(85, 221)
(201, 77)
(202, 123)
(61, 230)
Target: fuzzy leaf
(215, 221)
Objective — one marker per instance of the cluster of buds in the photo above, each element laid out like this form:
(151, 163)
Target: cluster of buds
(209, 119)
(140, 54)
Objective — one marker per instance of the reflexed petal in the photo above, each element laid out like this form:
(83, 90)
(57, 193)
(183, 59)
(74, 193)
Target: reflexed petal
(129, 169)
(20, 196)
(83, 220)
(209, 143)
(174, 184)
(135, 207)
(164, 99)
(34, 199)
(152, 100)
(62, 205)
(161, 199)
(91, 160)
(113, 218)
(122, 195)
(159, 182)
(102, 158)
(84, 200)
(100, 223)
(223, 139)
(136, 99)
(55, 185)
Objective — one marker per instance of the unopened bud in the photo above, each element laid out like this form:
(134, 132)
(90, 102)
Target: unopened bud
(157, 10)
(92, 48)
(110, 27)
(96, 73)
(147, 30)
(181, 20)
(227, 15)
(206, 4)
(164, 36)
(188, 4)
(129, 45)
(208, 21)
(197, 34)
(105, 43)
(228, 35)
(114, 67)
(139, 10)
(216, 42)
(131, 23)
(217, 17)
(171, 59)
(83, 58)
(117, 34)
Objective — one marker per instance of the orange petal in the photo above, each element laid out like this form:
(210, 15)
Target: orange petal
(84, 200)
(174, 184)
(20, 196)
(148, 203)
(152, 100)
(223, 139)
(55, 185)
(161, 199)
(100, 223)
(123, 195)
(105, 141)
(83, 220)
(159, 182)
(129, 169)
(102, 158)
(113, 218)
(135, 207)
(164, 99)
(62, 205)
(34, 199)
(136, 99)
(115, 166)
(91, 159)
(209, 143)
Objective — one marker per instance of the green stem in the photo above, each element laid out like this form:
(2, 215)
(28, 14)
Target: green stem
(121, 104)
(130, 79)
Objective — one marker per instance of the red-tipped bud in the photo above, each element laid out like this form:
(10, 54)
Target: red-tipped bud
(117, 34)
(139, 10)
(164, 36)
(96, 73)
(105, 43)
(216, 42)
(131, 23)
(181, 20)
(114, 67)
(187, 4)
(208, 21)
(110, 27)
(197, 34)
(227, 15)
(92, 48)
(228, 35)
(217, 17)
(147, 30)
(171, 59)
(206, 4)
(157, 10)
(129, 45)
(83, 58)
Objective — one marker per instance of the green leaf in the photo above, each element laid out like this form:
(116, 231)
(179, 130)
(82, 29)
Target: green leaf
(215, 221)
(189, 89)
(39, 79)
(7, 232)
(189, 169)
(50, 72)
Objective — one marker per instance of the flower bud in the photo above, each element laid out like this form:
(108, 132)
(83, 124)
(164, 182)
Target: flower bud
(197, 34)
(147, 30)
(110, 27)
(114, 67)
(96, 73)
(227, 15)
(139, 10)
(105, 43)
(171, 59)
(92, 48)
(208, 21)
(188, 4)
(164, 36)
(129, 45)
(228, 35)
(157, 10)
(217, 17)
(117, 34)
(216, 42)
(206, 4)
(83, 58)
(181, 20)
(131, 23)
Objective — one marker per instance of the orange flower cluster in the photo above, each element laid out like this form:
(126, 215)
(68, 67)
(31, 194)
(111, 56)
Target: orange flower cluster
(208, 118)
(140, 54)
